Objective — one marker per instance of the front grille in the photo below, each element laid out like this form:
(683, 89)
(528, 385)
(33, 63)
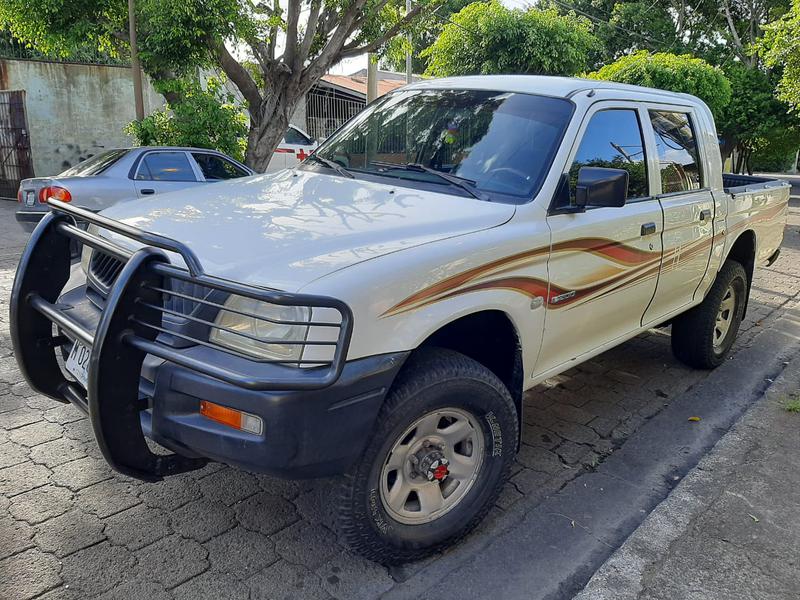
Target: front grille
(104, 270)
(187, 297)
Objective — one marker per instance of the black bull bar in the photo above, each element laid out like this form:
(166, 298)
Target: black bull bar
(129, 329)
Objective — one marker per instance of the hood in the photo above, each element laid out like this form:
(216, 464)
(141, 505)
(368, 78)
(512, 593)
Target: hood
(287, 229)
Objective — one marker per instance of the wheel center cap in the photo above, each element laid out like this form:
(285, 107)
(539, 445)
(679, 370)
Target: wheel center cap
(432, 464)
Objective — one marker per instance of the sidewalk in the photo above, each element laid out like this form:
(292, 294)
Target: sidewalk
(731, 528)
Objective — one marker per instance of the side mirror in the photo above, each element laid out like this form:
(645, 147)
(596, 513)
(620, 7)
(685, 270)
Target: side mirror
(599, 186)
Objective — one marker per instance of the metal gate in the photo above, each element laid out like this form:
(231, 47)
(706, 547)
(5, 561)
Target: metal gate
(326, 110)
(15, 145)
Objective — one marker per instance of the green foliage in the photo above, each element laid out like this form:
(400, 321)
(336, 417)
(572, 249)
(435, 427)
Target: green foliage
(664, 71)
(624, 27)
(777, 154)
(423, 34)
(780, 47)
(489, 38)
(204, 118)
(63, 27)
(10, 47)
(697, 27)
(792, 404)
(755, 118)
(173, 34)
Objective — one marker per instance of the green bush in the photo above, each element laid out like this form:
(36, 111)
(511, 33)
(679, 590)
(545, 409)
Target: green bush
(677, 73)
(776, 154)
(486, 37)
(203, 118)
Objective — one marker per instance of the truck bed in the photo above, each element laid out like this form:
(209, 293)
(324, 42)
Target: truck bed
(737, 184)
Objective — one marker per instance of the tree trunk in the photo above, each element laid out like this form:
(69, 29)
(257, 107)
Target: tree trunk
(268, 124)
(726, 149)
(263, 138)
(738, 167)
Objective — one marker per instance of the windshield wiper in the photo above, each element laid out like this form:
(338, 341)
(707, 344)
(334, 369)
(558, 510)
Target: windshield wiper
(332, 165)
(459, 182)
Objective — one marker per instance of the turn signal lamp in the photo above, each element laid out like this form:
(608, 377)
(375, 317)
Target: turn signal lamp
(236, 419)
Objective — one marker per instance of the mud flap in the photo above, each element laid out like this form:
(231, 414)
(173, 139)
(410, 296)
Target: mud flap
(114, 372)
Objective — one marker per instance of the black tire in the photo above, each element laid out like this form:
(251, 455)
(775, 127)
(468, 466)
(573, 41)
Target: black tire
(693, 333)
(433, 379)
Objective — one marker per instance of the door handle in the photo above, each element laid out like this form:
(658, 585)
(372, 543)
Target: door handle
(147, 191)
(705, 214)
(648, 229)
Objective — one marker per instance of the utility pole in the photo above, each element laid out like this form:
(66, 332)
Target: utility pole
(136, 69)
(409, 78)
(372, 77)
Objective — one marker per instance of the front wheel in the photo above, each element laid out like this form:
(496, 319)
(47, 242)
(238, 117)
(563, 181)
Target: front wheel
(702, 337)
(443, 447)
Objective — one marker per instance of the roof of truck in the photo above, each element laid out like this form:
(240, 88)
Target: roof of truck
(564, 87)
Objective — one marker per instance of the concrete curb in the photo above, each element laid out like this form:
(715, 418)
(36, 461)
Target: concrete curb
(623, 575)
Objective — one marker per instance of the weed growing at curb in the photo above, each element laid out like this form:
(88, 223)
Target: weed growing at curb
(792, 405)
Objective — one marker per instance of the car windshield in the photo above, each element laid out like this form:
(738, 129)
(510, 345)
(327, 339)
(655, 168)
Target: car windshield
(496, 142)
(95, 165)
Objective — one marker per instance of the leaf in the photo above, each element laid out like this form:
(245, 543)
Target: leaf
(694, 419)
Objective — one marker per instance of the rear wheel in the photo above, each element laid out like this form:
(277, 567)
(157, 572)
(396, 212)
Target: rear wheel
(444, 444)
(703, 336)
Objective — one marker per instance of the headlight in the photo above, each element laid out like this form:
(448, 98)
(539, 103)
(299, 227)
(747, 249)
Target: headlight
(240, 330)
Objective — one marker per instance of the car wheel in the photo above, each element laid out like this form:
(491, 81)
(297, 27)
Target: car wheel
(442, 448)
(702, 337)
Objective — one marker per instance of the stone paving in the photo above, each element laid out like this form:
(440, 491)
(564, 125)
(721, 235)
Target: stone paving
(71, 528)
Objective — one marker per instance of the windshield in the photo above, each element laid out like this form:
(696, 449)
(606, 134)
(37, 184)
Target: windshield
(95, 165)
(497, 142)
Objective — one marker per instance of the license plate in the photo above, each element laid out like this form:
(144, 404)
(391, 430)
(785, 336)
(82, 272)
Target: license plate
(30, 198)
(78, 363)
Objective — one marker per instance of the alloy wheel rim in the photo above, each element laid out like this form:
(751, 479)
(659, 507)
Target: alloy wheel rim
(432, 466)
(722, 324)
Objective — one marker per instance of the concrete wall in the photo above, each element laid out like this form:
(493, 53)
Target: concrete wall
(74, 111)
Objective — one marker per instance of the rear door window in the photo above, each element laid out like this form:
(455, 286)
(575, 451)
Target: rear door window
(613, 140)
(96, 164)
(165, 166)
(216, 168)
(678, 157)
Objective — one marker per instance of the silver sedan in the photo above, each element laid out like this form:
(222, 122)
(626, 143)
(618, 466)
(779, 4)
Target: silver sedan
(123, 174)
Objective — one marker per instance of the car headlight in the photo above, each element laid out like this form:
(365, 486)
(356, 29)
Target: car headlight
(244, 333)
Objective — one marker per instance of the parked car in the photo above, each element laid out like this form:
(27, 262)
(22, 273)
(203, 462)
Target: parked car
(294, 148)
(380, 310)
(124, 173)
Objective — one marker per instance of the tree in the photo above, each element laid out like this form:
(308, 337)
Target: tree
(719, 31)
(293, 44)
(204, 118)
(423, 34)
(682, 73)
(780, 47)
(490, 38)
(754, 120)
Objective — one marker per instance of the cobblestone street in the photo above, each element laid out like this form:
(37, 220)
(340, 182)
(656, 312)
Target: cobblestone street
(72, 528)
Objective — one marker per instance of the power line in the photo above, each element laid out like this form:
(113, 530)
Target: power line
(610, 24)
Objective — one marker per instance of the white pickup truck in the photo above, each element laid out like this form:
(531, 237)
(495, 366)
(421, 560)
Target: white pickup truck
(379, 310)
